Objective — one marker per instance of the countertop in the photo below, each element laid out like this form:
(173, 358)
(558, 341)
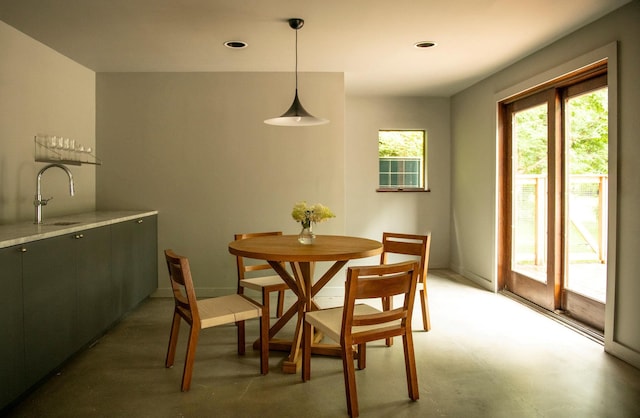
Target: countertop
(23, 232)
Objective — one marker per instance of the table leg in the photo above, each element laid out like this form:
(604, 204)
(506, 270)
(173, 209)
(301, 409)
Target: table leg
(302, 285)
(303, 273)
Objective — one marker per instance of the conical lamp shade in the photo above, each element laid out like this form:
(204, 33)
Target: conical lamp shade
(296, 116)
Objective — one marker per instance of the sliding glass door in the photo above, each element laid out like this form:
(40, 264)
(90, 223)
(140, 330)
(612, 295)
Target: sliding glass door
(533, 264)
(586, 185)
(554, 189)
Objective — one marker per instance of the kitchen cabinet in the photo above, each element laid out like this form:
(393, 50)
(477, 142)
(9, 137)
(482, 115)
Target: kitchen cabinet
(62, 292)
(12, 378)
(70, 297)
(134, 259)
(50, 304)
(98, 291)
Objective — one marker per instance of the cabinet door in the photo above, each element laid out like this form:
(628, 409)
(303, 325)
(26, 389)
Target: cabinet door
(12, 379)
(147, 263)
(98, 292)
(135, 259)
(50, 304)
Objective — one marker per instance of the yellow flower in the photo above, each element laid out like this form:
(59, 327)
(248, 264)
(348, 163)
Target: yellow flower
(306, 214)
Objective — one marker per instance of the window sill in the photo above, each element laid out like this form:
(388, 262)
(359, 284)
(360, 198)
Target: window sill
(403, 190)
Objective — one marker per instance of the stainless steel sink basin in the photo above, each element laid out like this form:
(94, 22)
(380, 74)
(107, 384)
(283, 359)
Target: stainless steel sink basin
(62, 223)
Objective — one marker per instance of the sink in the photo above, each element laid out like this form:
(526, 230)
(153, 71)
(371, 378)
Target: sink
(61, 223)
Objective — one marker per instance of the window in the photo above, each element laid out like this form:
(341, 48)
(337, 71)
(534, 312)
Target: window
(401, 160)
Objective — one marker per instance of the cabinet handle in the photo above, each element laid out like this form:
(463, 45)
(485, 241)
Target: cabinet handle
(139, 221)
(22, 250)
(78, 236)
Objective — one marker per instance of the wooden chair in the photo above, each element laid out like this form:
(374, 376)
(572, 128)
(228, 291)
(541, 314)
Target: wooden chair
(263, 284)
(356, 324)
(208, 313)
(417, 247)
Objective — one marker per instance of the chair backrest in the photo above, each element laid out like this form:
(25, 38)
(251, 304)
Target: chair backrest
(374, 282)
(416, 246)
(243, 266)
(184, 294)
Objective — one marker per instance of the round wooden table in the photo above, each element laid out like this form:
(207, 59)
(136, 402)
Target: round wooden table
(302, 258)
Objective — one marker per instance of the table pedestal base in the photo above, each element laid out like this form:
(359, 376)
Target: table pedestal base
(317, 348)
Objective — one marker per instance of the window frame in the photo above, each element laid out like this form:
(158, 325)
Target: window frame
(423, 173)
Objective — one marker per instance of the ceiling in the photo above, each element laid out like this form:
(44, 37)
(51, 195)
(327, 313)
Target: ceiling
(371, 41)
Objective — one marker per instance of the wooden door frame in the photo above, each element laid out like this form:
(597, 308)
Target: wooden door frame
(562, 298)
(546, 294)
(584, 309)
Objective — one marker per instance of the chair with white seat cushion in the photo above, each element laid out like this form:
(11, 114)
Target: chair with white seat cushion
(206, 313)
(265, 284)
(402, 247)
(356, 324)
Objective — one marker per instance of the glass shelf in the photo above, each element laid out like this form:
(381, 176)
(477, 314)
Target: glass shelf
(53, 149)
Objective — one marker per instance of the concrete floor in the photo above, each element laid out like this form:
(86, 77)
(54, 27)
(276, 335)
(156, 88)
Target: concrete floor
(486, 356)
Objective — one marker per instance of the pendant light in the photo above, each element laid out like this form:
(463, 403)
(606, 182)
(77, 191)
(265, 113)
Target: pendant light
(296, 115)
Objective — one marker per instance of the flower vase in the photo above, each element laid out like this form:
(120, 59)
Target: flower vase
(306, 236)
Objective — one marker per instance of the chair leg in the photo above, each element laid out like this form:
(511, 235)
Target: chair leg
(424, 301)
(190, 357)
(362, 356)
(350, 380)
(241, 340)
(280, 309)
(264, 343)
(173, 340)
(307, 336)
(410, 366)
(265, 302)
(387, 305)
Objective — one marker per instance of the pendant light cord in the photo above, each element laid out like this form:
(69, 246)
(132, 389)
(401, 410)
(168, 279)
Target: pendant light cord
(296, 115)
(296, 61)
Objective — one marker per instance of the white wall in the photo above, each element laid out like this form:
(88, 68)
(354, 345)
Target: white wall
(370, 213)
(474, 167)
(194, 147)
(41, 91)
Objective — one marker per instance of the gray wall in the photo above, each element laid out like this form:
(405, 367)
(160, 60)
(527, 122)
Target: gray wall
(41, 91)
(194, 147)
(370, 213)
(473, 161)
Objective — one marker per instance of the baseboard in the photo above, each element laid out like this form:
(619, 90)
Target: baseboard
(624, 353)
(479, 280)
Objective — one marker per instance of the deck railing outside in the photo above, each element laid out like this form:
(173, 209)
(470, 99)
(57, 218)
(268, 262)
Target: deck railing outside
(587, 218)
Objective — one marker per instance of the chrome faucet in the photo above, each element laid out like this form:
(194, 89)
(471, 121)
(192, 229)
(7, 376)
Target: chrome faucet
(39, 202)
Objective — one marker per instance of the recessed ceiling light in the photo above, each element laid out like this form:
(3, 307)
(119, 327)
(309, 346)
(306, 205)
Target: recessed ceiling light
(424, 44)
(235, 44)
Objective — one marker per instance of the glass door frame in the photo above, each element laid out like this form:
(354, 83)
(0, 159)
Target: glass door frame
(546, 294)
(551, 295)
(583, 308)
